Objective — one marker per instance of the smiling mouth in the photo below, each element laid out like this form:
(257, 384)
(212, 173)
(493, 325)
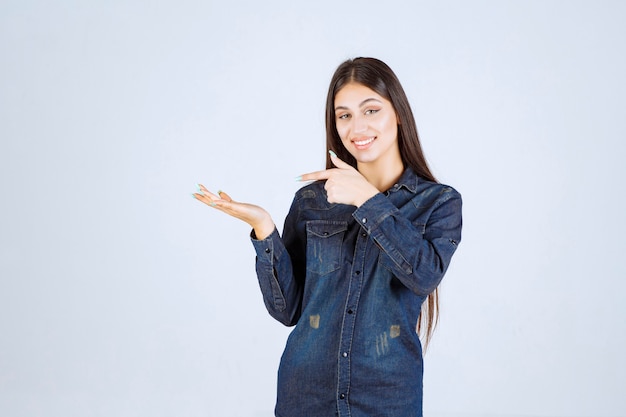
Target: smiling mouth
(364, 142)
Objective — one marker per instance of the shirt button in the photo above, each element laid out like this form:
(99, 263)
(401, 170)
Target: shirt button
(357, 272)
(364, 220)
(267, 250)
(350, 311)
(342, 396)
(344, 354)
(364, 234)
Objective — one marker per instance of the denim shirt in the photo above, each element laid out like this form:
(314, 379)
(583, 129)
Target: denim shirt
(352, 281)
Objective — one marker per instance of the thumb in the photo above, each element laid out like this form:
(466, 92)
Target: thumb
(338, 162)
(224, 196)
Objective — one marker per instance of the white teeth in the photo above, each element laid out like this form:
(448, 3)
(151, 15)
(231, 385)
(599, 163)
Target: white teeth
(363, 142)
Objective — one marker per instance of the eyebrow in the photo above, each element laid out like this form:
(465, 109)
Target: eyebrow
(363, 103)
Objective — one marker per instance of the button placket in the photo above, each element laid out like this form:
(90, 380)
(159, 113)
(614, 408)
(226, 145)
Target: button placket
(347, 329)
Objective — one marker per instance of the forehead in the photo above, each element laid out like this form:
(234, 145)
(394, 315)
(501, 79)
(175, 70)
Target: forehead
(353, 94)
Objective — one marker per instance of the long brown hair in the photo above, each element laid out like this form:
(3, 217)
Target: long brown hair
(377, 76)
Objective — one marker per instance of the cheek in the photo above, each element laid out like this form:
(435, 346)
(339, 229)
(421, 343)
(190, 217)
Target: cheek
(393, 128)
(343, 132)
(388, 122)
(390, 126)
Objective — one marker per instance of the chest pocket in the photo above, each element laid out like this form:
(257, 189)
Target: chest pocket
(324, 241)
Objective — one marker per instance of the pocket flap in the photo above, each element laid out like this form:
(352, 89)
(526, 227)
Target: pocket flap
(325, 228)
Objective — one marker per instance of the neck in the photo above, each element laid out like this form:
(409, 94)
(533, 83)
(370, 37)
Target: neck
(381, 176)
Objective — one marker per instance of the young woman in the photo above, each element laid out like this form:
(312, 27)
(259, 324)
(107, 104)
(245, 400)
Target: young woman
(363, 248)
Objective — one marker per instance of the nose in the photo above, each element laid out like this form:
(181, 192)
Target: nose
(360, 124)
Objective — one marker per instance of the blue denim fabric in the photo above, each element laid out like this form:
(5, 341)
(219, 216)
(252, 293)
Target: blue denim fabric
(353, 280)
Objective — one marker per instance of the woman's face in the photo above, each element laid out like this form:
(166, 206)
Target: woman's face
(367, 125)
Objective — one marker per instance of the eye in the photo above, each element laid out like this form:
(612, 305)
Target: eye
(344, 116)
(371, 111)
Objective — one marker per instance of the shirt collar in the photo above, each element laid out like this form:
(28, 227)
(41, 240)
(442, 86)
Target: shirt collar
(407, 180)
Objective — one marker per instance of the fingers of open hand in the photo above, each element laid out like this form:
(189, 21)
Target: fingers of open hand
(224, 196)
(224, 202)
(207, 197)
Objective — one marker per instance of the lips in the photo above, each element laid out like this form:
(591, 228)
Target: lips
(363, 143)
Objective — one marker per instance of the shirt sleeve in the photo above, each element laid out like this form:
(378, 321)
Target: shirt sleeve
(417, 252)
(280, 287)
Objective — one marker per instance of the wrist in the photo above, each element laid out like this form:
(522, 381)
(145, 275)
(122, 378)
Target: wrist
(264, 228)
(365, 196)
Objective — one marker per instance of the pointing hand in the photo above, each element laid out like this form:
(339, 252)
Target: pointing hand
(344, 184)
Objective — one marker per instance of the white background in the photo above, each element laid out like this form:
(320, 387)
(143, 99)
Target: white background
(122, 296)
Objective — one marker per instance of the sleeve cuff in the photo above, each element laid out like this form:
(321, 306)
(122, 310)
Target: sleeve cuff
(373, 212)
(267, 249)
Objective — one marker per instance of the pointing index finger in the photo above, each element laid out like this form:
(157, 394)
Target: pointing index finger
(313, 176)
